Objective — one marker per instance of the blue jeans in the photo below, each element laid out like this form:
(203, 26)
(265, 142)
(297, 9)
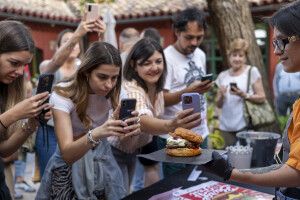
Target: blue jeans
(281, 196)
(20, 166)
(44, 151)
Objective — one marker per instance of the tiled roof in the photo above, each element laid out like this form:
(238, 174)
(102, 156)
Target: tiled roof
(44, 9)
(58, 10)
(126, 9)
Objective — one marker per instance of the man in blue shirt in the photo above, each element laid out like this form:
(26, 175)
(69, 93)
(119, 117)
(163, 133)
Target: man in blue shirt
(286, 89)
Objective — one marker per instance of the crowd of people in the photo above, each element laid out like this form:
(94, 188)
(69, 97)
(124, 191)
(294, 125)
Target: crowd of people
(85, 151)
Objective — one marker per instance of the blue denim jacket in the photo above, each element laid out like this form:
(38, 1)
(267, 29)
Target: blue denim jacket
(96, 170)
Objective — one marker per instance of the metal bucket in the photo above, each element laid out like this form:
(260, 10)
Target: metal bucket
(263, 144)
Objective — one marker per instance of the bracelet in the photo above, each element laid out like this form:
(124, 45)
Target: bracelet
(3, 124)
(93, 142)
(26, 128)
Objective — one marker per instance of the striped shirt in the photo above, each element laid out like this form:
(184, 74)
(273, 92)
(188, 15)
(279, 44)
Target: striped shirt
(144, 107)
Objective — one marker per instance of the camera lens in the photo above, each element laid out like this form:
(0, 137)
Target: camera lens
(89, 8)
(187, 100)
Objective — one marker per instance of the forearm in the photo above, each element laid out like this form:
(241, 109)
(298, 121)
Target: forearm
(61, 55)
(8, 118)
(155, 126)
(75, 150)
(257, 98)
(273, 176)
(172, 98)
(13, 143)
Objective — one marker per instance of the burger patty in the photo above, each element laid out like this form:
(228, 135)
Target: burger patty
(188, 144)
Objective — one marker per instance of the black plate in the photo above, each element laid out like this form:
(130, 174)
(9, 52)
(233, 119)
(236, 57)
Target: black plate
(201, 159)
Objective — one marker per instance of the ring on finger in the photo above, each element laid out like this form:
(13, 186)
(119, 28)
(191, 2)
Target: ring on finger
(138, 120)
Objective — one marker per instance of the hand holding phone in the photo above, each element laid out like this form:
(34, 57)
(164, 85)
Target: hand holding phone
(232, 86)
(44, 85)
(127, 106)
(92, 11)
(207, 77)
(191, 100)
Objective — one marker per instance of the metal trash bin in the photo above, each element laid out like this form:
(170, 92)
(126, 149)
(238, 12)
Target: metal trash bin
(263, 144)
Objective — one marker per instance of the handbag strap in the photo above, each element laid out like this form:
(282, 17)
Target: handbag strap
(249, 78)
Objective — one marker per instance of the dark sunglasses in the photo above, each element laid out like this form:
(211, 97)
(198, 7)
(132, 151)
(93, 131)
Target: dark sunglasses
(281, 43)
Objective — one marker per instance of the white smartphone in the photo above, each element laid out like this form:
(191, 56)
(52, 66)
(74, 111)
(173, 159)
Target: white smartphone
(92, 11)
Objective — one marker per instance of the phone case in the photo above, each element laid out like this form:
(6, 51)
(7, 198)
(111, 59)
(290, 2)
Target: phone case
(45, 83)
(127, 106)
(207, 77)
(191, 100)
(92, 11)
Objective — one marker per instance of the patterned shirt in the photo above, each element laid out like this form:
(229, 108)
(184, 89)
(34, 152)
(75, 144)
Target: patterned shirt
(144, 107)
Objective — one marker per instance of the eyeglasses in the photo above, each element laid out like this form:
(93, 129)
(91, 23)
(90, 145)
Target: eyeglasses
(281, 43)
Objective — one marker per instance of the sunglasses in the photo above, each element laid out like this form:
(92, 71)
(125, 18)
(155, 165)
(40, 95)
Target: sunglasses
(281, 43)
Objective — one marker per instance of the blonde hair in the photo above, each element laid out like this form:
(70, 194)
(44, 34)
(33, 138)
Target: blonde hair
(238, 44)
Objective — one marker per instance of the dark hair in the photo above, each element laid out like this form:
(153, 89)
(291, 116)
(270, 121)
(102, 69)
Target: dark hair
(15, 36)
(99, 53)
(141, 52)
(152, 33)
(61, 34)
(287, 19)
(189, 15)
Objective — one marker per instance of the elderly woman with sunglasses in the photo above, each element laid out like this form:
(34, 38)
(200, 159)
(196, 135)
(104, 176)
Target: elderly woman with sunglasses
(286, 24)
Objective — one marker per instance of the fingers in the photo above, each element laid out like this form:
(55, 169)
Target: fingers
(41, 96)
(136, 132)
(116, 123)
(191, 120)
(181, 114)
(116, 112)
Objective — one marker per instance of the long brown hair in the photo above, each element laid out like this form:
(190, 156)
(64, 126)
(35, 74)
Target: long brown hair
(99, 53)
(14, 36)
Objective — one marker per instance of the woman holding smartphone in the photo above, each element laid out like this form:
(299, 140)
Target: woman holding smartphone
(232, 84)
(144, 74)
(286, 41)
(83, 166)
(16, 51)
(63, 65)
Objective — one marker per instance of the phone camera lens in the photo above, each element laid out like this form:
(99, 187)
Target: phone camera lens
(89, 8)
(187, 100)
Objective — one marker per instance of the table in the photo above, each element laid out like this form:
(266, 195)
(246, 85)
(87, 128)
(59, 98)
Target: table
(180, 179)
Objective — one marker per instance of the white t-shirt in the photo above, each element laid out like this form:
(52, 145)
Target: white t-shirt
(232, 118)
(98, 110)
(179, 75)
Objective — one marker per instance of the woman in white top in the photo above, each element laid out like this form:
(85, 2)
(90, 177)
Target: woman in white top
(231, 99)
(83, 166)
(144, 74)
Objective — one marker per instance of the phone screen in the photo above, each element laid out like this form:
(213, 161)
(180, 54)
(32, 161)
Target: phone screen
(45, 83)
(232, 84)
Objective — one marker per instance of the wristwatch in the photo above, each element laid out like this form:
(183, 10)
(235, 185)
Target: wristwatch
(91, 140)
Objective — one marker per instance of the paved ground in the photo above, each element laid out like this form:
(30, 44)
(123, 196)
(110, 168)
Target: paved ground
(28, 176)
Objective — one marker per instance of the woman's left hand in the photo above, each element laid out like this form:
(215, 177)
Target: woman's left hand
(133, 127)
(238, 92)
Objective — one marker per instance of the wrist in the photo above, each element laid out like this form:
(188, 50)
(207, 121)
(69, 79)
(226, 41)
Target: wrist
(9, 117)
(170, 124)
(27, 128)
(91, 140)
(246, 96)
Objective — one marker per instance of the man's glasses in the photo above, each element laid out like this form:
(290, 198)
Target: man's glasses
(281, 43)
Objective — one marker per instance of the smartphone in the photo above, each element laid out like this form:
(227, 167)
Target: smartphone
(233, 84)
(127, 106)
(45, 85)
(191, 100)
(92, 11)
(207, 77)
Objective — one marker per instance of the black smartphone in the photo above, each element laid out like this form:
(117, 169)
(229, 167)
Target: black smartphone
(207, 77)
(127, 106)
(233, 84)
(45, 85)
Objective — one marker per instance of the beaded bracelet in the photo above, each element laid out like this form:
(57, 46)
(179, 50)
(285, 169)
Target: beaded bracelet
(91, 140)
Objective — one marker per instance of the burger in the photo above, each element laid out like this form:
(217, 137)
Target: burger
(183, 143)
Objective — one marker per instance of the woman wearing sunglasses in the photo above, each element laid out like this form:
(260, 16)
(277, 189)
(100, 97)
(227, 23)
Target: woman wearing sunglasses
(286, 24)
